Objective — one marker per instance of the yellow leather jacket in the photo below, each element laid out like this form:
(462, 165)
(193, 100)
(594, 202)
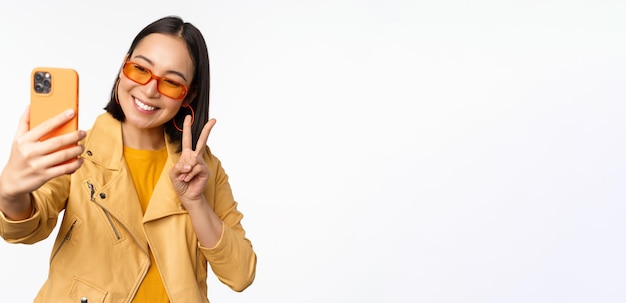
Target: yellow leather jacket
(101, 250)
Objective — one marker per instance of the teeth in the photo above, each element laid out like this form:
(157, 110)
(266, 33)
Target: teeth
(143, 105)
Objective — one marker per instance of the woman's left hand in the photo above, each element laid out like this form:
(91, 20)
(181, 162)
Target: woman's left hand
(190, 175)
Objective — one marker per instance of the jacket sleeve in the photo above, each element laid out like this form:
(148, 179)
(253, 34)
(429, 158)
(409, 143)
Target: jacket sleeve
(48, 201)
(232, 259)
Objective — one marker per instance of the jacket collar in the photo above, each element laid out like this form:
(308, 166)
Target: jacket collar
(104, 145)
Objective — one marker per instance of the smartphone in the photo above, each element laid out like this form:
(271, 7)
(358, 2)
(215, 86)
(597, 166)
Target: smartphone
(53, 91)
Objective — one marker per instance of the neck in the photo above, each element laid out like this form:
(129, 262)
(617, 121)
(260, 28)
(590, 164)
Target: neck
(145, 139)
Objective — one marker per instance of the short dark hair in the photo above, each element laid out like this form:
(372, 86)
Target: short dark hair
(200, 85)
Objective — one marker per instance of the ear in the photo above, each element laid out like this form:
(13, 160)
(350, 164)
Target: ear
(190, 96)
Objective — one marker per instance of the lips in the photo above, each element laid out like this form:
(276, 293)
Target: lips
(144, 106)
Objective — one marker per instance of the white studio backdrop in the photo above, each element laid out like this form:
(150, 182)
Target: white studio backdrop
(382, 151)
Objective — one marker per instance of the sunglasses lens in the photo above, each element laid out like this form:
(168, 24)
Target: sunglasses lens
(137, 73)
(171, 88)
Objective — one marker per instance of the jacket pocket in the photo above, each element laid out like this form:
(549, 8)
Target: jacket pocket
(107, 214)
(116, 232)
(82, 289)
(67, 236)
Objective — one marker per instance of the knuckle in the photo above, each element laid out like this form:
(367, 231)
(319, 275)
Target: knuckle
(27, 153)
(20, 141)
(58, 143)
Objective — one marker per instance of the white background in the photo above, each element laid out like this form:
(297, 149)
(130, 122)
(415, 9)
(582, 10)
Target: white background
(382, 151)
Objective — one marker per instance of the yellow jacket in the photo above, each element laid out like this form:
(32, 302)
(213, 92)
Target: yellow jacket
(101, 250)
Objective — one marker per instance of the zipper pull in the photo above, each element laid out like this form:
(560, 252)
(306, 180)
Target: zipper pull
(92, 190)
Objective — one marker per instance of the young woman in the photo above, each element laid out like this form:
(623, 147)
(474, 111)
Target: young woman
(147, 207)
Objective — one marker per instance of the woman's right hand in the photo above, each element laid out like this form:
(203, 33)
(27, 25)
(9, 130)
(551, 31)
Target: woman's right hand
(32, 162)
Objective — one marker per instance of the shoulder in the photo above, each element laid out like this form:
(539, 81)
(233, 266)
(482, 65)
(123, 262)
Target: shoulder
(209, 156)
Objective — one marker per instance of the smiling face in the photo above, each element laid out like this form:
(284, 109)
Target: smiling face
(145, 108)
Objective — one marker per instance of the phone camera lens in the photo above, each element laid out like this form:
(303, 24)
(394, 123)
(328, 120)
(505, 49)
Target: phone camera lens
(46, 83)
(38, 77)
(38, 88)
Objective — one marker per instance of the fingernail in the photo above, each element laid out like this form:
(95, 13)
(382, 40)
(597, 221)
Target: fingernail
(69, 112)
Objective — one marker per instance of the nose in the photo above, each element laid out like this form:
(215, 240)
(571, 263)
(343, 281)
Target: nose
(151, 88)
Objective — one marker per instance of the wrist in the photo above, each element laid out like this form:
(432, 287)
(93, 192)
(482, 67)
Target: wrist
(16, 209)
(5, 191)
(192, 203)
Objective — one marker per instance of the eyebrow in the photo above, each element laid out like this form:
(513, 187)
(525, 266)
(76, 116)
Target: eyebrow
(169, 71)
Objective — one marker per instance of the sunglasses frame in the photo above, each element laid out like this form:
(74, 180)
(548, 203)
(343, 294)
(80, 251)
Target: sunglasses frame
(183, 94)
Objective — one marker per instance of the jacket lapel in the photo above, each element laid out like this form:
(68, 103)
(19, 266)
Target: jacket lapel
(164, 201)
(113, 188)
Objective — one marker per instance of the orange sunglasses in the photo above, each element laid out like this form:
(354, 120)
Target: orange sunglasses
(142, 75)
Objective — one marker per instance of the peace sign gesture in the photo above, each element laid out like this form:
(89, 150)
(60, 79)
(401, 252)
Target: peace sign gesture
(190, 175)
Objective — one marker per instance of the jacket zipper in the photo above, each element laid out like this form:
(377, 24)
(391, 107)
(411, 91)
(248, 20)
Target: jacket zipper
(197, 269)
(92, 191)
(67, 237)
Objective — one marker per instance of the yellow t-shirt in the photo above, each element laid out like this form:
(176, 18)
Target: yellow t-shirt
(145, 168)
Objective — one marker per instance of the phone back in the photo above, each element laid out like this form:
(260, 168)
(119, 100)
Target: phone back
(53, 90)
